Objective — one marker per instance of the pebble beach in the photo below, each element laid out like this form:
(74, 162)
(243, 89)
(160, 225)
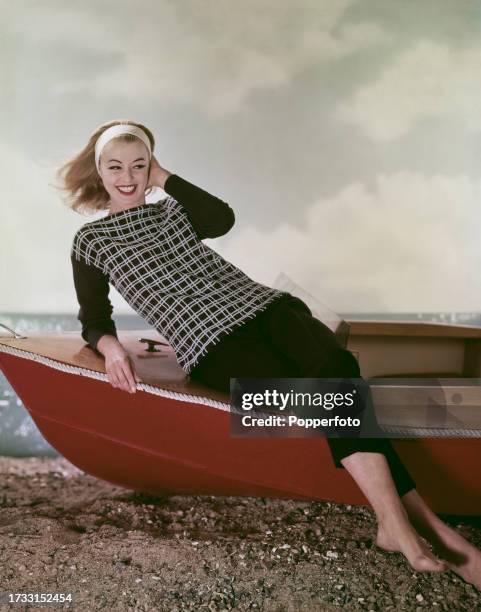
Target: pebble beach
(114, 549)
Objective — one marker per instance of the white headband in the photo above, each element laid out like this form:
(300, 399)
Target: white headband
(117, 130)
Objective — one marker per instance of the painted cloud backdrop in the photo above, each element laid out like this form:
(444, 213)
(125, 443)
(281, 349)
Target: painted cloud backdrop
(345, 134)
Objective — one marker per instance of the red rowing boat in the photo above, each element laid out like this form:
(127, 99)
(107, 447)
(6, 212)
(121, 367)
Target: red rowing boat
(173, 435)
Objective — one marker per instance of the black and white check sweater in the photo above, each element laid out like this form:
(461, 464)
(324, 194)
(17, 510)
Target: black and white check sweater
(153, 255)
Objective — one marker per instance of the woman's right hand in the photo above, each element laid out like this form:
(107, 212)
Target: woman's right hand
(120, 369)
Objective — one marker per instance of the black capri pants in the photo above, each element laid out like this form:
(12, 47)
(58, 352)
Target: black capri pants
(286, 341)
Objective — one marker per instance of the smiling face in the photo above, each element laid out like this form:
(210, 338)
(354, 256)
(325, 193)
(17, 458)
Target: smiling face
(124, 170)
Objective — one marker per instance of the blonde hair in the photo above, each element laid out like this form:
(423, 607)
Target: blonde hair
(79, 179)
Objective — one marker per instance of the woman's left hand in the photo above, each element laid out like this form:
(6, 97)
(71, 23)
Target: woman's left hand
(157, 175)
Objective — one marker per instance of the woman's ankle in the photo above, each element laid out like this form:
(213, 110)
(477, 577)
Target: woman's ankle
(419, 512)
(393, 521)
(392, 512)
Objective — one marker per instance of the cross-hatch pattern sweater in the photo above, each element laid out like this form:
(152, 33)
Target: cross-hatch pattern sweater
(153, 255)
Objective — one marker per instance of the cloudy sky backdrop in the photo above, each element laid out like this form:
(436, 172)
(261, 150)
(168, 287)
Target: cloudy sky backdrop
(345, 135)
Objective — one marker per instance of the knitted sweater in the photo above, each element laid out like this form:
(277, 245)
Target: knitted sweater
(154, 256)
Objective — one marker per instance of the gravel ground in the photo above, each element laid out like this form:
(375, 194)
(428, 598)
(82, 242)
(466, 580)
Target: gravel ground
(64, 531)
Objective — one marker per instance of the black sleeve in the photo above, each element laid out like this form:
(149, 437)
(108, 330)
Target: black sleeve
(92, 288)
(210, 216)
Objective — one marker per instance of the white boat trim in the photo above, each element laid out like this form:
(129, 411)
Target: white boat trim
(71, 369)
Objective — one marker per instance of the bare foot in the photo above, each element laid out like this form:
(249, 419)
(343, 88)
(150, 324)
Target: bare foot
(461, 556)
(411, 546)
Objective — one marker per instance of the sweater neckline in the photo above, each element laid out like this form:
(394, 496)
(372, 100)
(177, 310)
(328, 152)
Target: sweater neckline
(137, 224)
(127, 210)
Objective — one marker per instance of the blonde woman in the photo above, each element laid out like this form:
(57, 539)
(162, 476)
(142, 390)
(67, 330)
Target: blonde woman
(220, 322)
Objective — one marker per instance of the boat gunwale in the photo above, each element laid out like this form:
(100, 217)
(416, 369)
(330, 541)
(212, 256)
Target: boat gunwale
(412, 329)
(199, 399)
(69, 368)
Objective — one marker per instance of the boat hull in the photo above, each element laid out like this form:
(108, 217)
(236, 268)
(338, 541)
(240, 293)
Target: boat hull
(165, 445)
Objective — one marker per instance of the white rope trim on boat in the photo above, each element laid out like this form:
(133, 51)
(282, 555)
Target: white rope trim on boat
(72, 369)
(431, 432)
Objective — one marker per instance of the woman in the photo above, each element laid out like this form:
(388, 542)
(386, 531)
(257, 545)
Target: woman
(153, 255)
